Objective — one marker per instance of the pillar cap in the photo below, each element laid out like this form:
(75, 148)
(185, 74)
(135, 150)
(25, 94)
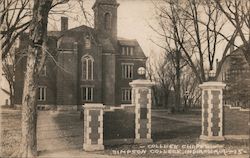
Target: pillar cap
(141, 83)
(212, 85)
(92, 106)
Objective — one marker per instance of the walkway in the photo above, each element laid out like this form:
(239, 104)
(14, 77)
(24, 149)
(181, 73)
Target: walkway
(60, 135)
(73, 154)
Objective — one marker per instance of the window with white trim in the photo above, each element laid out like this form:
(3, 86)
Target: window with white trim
(87, 93)
(127, 70)
(126, 94)
(87, 68)
(42, 93)
(127, 50)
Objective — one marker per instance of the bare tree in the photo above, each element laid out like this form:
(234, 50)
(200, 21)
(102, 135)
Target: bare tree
(238, 14)
(190, 91)
(165, 78)
(36, 56)
(15, 19)
(173, 51)
(159, 72)
(35, 60)
(8, 72)
(197, 30)
(150, 64)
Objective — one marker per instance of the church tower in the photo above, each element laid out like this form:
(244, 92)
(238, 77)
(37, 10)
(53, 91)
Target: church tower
(105, 13)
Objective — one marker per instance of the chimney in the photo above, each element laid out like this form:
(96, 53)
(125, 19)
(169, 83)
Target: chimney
(64, 23)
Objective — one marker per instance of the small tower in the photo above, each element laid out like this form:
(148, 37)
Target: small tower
(105, 12)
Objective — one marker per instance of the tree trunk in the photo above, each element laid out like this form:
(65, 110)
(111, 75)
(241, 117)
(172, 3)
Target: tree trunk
(29, 113)
(166, 97)
(11, 95)
(178, 80)
(35, 61)
(178, 92)
(246, 52)
(1, 52)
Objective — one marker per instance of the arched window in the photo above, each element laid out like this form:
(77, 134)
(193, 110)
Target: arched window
(107, 21)
(87, 68)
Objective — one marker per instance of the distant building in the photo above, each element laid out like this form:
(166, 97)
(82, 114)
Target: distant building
(236, 74)
(86, 64)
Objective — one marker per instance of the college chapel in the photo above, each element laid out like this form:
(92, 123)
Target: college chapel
(85, 64)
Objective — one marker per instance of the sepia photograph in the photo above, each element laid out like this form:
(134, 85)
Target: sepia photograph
(125, 78)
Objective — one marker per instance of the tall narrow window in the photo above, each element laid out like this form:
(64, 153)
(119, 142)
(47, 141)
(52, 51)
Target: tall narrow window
(127, 50)
(126, 94)
(87, 68)
(123, 50)
(41, 93)
(107, 21)
(131, 50)
(87, 93)
(127, 70)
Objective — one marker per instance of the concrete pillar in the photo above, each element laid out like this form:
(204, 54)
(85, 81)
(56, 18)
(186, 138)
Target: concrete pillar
(93, 127)
(212, 111)
(141, 99)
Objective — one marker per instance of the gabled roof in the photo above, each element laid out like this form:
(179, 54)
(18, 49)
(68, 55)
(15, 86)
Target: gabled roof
(68, 37)
(127, 42)
(133, 43)
(80, 28)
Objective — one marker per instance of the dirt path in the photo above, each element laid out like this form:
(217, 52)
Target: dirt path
(59, 131)
(60, 135)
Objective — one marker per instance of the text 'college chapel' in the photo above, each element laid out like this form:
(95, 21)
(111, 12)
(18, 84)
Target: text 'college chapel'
(85, 64)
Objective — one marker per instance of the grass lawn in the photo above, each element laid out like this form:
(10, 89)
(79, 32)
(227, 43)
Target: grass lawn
(59, 131)
(178, 137)
(10, 131)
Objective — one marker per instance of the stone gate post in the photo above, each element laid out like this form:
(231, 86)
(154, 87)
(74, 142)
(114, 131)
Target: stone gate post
(93, 127)
(141, 99)
(212, 111)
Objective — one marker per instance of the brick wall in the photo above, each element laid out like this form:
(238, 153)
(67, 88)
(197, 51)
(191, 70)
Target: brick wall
(64, 82)
(67, 78)
(95, 52)
(109, 79)
(124, 83)
(236, 121)
(48, 81)
(100, 12)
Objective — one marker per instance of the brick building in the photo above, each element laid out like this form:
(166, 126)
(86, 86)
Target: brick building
(235, 73)
(85, 64)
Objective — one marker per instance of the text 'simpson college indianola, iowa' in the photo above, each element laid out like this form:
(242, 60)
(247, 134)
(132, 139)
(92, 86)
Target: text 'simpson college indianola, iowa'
(86, 64)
